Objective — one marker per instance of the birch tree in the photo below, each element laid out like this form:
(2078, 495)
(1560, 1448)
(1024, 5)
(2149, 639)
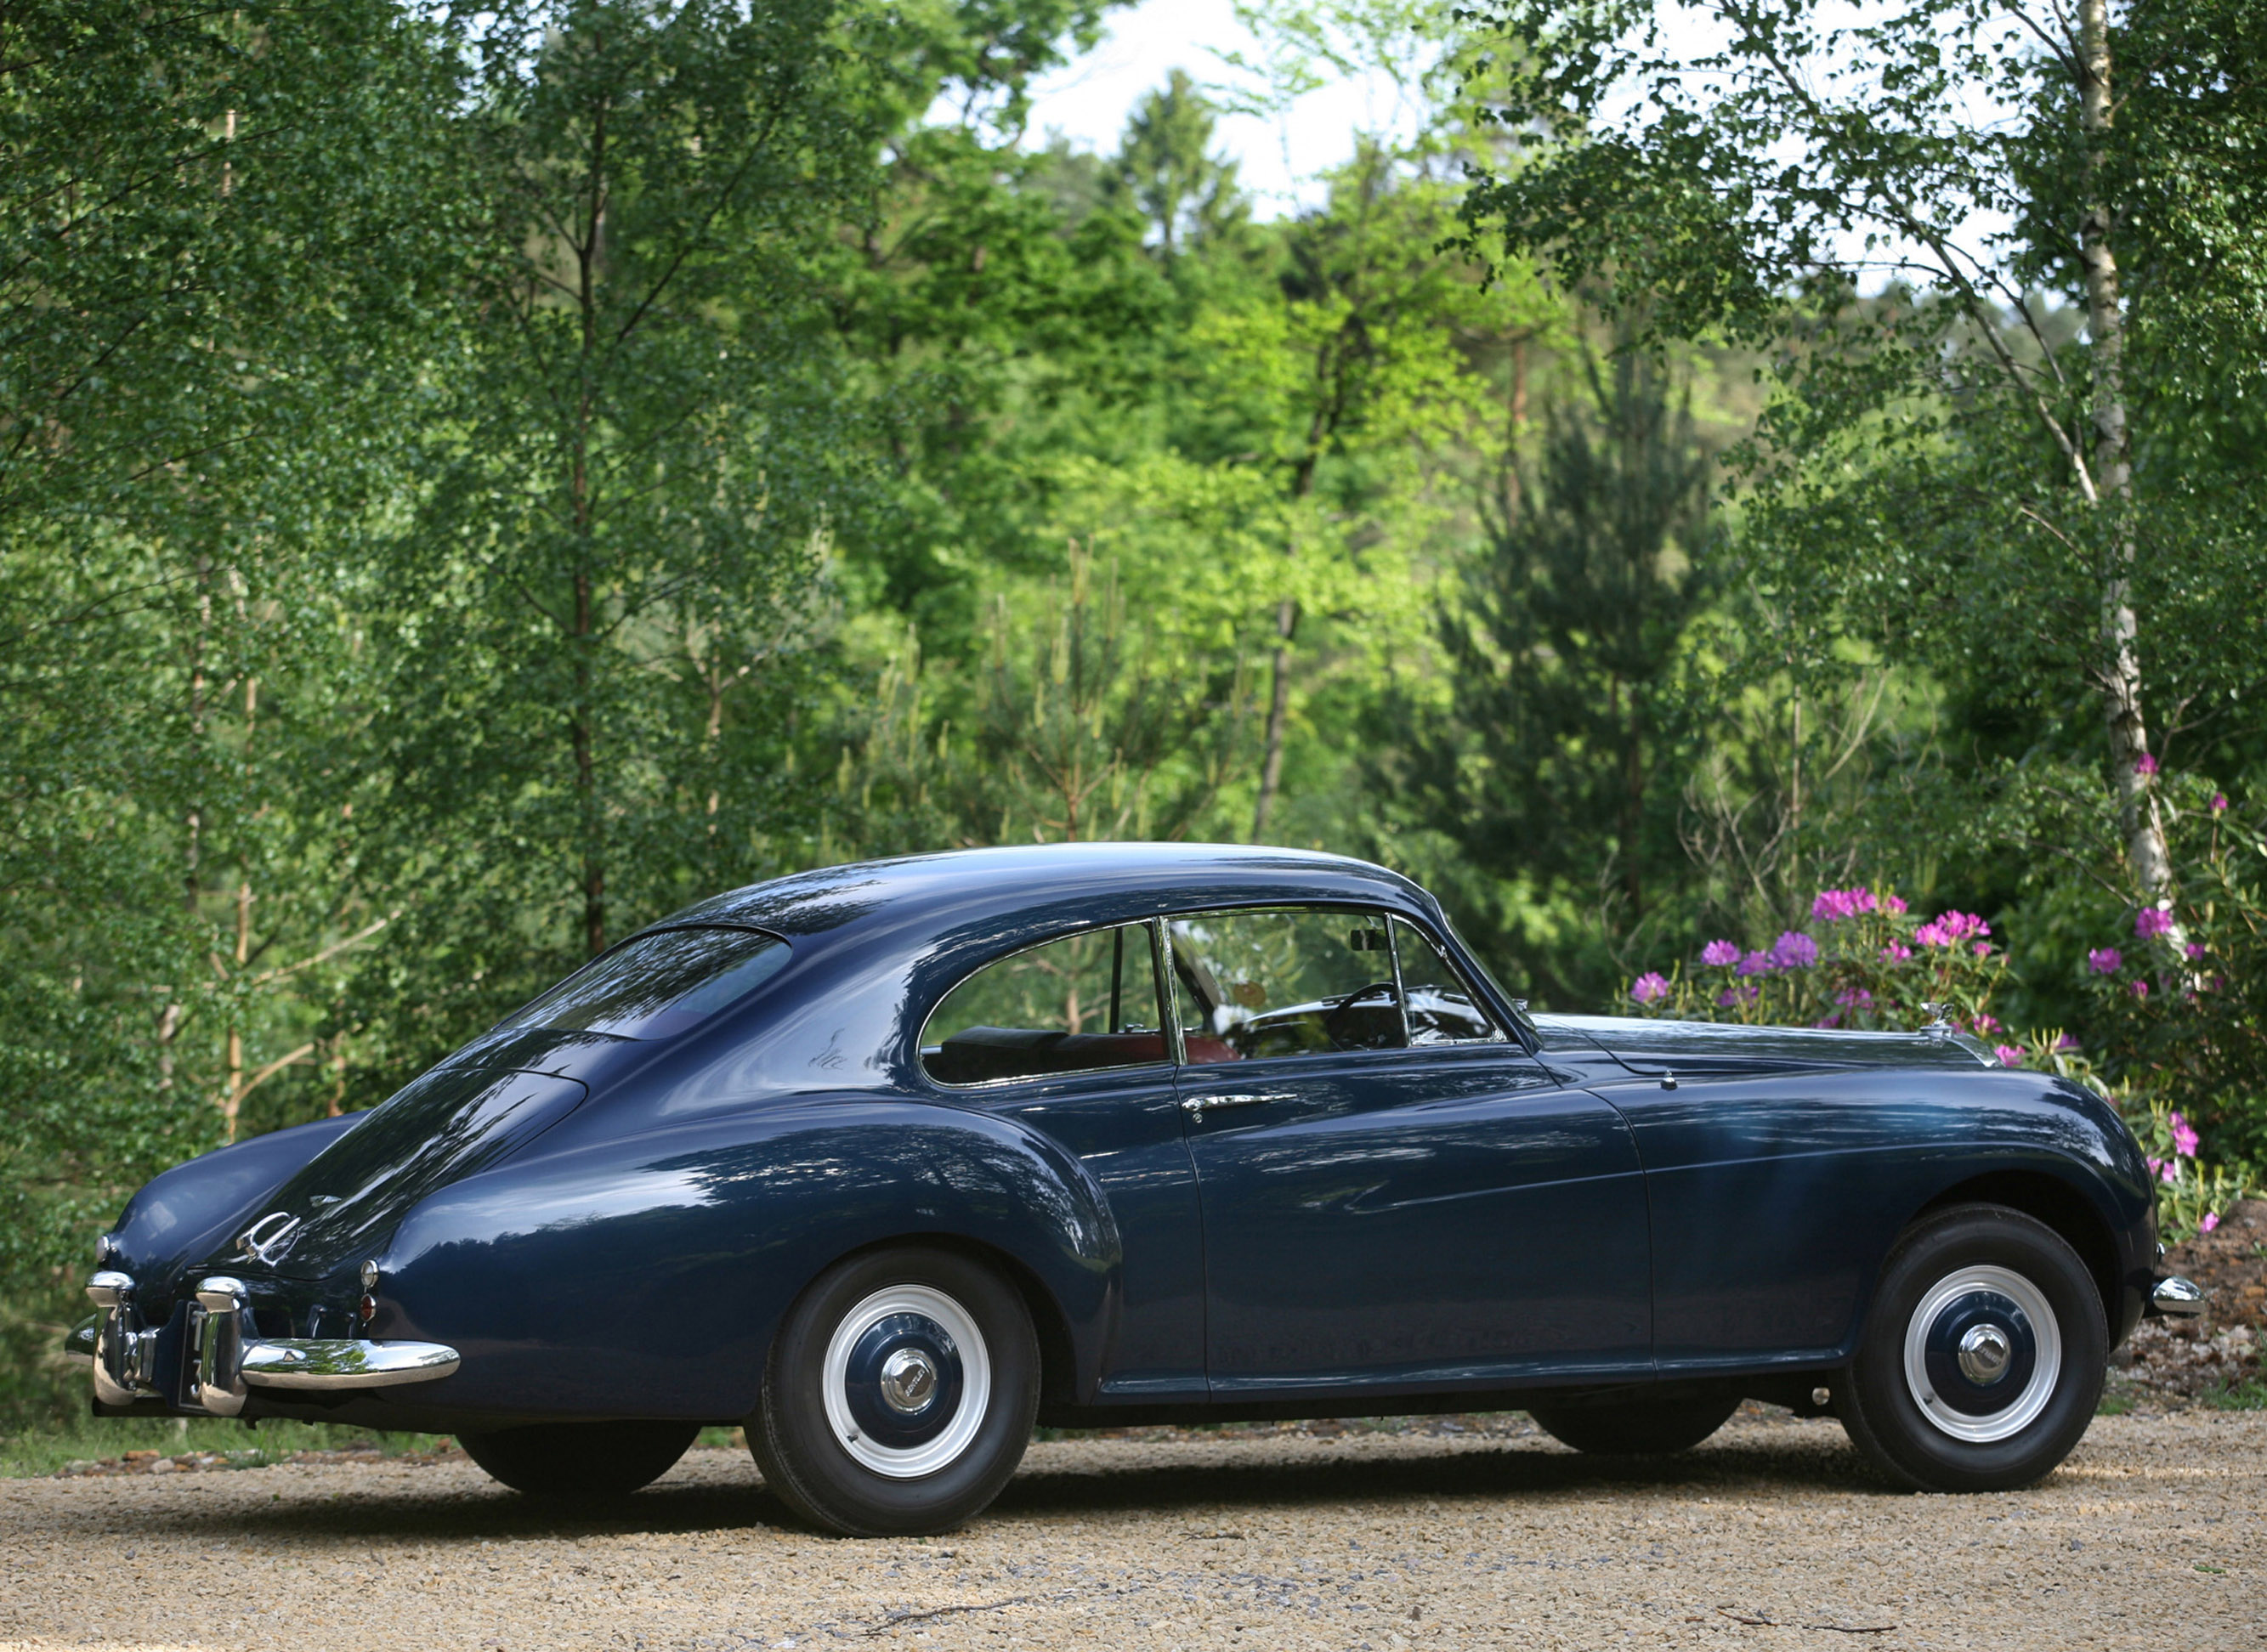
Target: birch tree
(1962, 158)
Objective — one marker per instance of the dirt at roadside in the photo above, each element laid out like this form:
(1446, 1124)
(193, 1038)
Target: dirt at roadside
(2174, 1363)
(1770, 1536)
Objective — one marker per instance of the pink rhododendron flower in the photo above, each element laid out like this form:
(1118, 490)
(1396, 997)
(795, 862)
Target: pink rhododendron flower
(2151, 922)
(2105, 961)
(2196, 949)
(1650, 988)
(1986, 1023)
(2156, 1166)
(2219, 803)
(1856, 997)
(1717, 953)
(1949, 929)
(2068, 1041)
(2211, 1221)
(1982, 949)
(2140, 988)
(1834, 1020)
(2009, 1055)
(1757, 963)
(1897, 952)
(1794, 950)
(2184, 1137)
(1893, 903)
(2170, 1171)
(2144, 765)
(1833, 905)
(1730, 996)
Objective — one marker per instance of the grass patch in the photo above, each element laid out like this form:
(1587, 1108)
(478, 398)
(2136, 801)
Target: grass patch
(2250, 1394)
(44, 1450)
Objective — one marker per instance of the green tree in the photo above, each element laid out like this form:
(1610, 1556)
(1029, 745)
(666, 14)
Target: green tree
(1559, 761)
(585, 623)
(222, 232)
(1167, 166)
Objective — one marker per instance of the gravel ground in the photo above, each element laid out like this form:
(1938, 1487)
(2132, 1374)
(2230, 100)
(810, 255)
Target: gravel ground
(2151, 1536)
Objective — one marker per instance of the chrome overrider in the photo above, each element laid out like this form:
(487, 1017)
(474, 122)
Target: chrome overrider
(2177, 1298)
(221, 1365)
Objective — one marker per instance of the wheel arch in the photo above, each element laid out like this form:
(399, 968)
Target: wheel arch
(1051, 1323)
(2062, 1207)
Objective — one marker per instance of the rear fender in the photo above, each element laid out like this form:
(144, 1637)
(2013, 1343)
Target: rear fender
(645, 1276)
(190, 1212)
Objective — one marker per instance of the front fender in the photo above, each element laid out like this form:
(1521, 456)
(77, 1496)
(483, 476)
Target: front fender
(646, 1277)
(181, 1217)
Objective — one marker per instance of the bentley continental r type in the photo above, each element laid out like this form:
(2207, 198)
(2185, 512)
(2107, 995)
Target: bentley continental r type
(888, 1162)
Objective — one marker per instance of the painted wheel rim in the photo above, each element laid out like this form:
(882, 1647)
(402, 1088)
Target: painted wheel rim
(907, 1381)
(1983, 1355)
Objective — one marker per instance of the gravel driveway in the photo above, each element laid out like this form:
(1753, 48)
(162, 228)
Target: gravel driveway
(2151, 1536)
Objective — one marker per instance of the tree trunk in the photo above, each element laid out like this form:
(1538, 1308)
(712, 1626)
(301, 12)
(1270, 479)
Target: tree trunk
(2113, 477)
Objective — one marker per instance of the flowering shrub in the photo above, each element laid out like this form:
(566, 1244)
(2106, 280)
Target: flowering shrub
(2180, 1009)
(1863, 962)
(2190, 1195)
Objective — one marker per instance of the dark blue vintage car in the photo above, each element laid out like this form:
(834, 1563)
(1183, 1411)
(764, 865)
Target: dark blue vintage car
(889, 1161)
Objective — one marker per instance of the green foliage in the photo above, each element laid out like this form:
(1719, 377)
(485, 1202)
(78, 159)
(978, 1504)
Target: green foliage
(1568, 653)
(2176, 985)
(473, 479)
(1079, 728)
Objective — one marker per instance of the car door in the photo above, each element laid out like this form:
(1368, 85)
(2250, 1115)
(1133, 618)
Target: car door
(1068, 1037)
(1383, 1210)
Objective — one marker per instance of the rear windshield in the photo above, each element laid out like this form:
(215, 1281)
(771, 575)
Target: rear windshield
(658, 986)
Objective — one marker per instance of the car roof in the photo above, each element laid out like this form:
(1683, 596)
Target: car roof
(1109, 881)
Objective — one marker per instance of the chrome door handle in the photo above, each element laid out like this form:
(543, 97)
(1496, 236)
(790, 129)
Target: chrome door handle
(1231, 1099)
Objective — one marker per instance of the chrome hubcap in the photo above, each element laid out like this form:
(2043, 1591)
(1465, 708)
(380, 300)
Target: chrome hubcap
(906, 1381)
(1984, 1351)
(1983, 1354)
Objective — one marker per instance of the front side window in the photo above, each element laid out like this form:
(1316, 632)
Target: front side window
(1443, 1009)
(658, 986)
(1084, 1003)
(1284, 982)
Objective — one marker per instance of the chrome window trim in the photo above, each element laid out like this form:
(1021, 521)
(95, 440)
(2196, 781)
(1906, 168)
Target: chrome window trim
(1499, 1035)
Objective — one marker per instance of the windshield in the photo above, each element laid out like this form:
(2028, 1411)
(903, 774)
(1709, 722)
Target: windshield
(658, 986)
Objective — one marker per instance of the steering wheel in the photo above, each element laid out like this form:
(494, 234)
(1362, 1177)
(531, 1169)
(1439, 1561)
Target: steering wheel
(1335, 1016)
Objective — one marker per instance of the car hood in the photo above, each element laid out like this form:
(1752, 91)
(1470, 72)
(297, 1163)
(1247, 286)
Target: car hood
(345, 1202)
(1698, 1047)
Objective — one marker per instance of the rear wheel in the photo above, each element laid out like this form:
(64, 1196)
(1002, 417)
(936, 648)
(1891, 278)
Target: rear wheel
(1635, 1428)
(899, 1394)
(580, 1459)
(1984, 1356)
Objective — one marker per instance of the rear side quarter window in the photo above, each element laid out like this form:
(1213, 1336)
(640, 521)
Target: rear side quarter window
(1086, 1003)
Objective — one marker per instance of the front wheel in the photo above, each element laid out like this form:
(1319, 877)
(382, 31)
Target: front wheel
(1635, 1428)
(899, 1394)
(580, 1459)
(1983, 1356)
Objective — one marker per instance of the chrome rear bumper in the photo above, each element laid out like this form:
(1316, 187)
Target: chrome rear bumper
(221, 1365)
